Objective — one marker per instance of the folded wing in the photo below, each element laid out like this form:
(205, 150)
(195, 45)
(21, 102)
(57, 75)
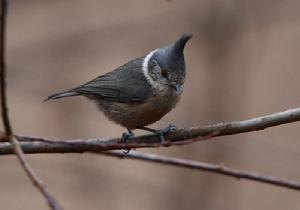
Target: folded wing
(125, 84)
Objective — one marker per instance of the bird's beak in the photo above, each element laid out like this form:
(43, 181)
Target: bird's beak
(177, 87)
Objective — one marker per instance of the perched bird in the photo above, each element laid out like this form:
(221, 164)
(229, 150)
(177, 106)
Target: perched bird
(141, 91)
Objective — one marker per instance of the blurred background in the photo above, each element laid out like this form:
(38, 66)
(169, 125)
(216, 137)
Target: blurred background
(242, 62)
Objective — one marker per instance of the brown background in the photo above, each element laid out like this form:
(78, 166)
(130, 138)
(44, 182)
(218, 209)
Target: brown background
(243, 61)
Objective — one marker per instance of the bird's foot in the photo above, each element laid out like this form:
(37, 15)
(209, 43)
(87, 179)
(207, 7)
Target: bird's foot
(160, 132)
(125, 137)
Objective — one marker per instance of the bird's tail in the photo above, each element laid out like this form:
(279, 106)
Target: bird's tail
(62, 95)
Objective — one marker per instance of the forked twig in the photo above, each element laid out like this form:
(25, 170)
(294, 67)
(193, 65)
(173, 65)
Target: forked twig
(53, 203)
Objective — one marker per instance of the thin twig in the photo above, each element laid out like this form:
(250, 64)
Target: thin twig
(218, 169)
(7, 126)
(5, 118)
(35, 179)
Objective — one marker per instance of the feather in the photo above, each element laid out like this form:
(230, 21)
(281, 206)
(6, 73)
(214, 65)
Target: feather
(61, 95)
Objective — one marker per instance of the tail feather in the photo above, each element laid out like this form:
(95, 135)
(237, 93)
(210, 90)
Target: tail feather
(61, 95)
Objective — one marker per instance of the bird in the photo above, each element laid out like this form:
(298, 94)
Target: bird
(141, 91)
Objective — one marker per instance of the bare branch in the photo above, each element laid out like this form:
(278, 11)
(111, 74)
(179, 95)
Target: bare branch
(36, 180)
(218, 169)
(16, 148)
(178, 137)
(5, 118)
(41, 145)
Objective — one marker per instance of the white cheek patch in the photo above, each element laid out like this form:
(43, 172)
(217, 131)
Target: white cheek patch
(145, 67)
(154, 83)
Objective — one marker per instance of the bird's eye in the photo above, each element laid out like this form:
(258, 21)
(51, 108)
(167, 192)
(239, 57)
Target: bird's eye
(164, 73)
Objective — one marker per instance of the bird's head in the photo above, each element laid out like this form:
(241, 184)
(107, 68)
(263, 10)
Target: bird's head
(166, 66)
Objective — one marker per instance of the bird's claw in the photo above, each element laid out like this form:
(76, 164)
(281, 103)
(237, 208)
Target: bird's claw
(125, 137)
(164, 131)
(171, 128)
(161, 132)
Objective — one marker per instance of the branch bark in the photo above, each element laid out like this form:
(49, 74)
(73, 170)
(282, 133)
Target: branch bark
(196, 165)
(16, 148)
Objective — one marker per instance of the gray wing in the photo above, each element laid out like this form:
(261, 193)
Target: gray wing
(125, 84)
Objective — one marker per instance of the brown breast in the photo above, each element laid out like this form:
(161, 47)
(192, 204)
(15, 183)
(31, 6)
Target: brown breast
(133, 115)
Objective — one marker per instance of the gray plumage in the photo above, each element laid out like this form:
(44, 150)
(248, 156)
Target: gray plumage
(132, 85)
(141, 91)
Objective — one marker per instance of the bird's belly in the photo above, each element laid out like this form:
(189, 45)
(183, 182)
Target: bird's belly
(133, 115)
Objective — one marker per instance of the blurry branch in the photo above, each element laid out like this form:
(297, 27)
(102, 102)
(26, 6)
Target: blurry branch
(16, 148)
(4, 109)
(196, 165)
(35, 179)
